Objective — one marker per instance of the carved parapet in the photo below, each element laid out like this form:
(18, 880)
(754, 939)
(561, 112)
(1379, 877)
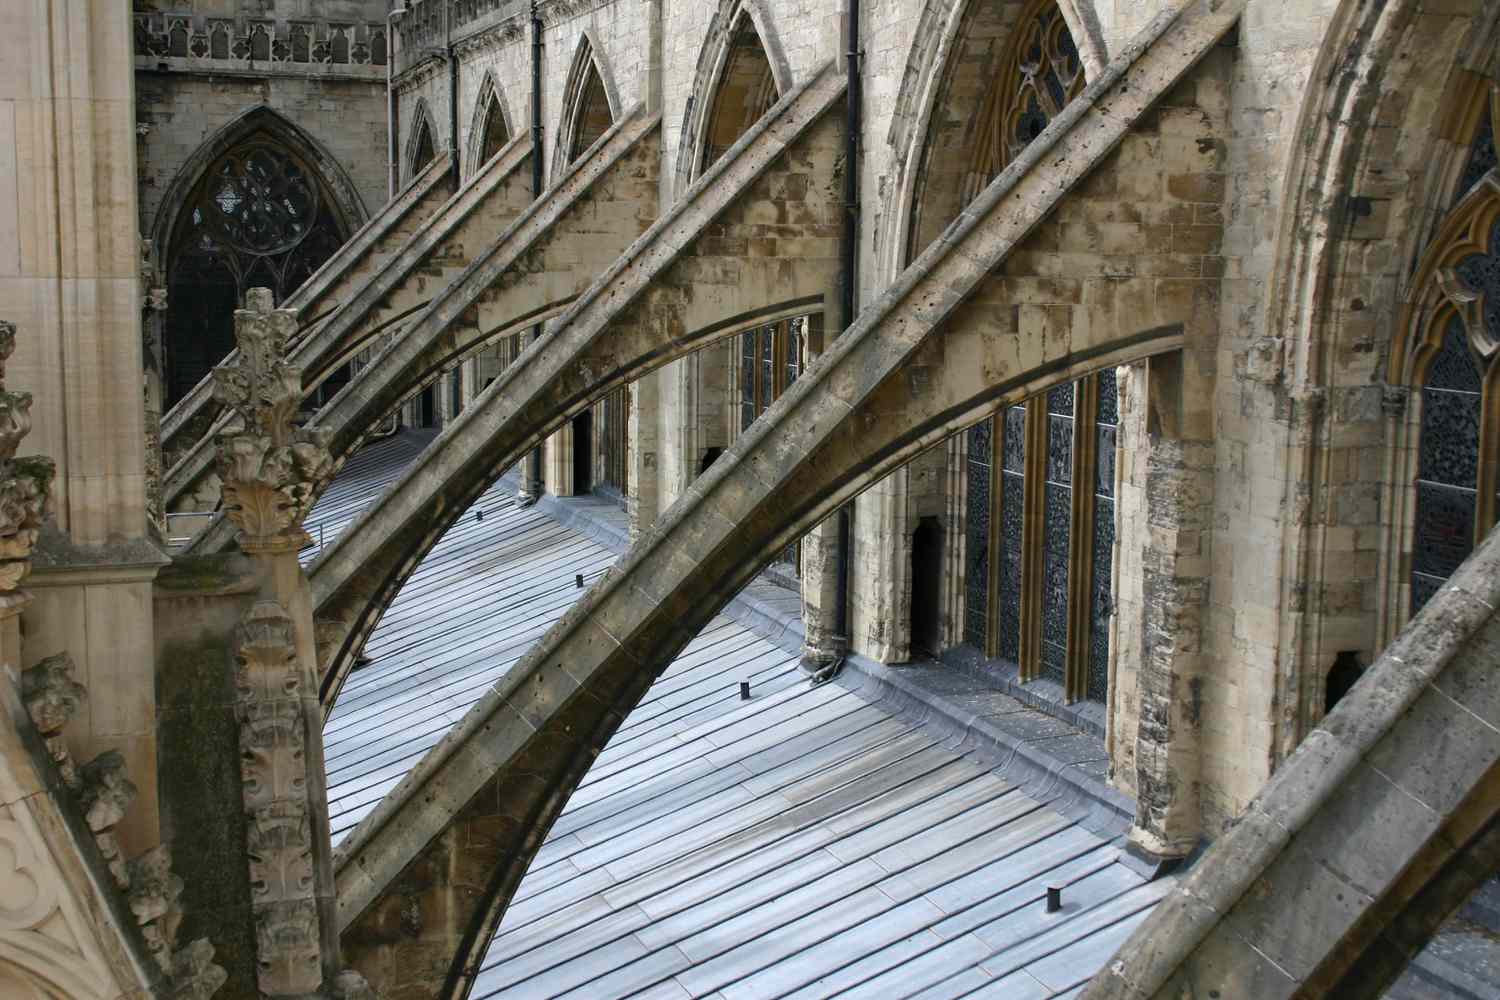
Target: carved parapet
(271, 470)
(25, 483)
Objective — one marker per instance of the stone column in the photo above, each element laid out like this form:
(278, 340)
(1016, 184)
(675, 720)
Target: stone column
(270, 472)
(70, 277)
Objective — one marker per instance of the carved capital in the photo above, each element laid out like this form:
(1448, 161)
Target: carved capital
(271, 469)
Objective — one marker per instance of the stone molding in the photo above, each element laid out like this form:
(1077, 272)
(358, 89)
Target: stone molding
(270, 469)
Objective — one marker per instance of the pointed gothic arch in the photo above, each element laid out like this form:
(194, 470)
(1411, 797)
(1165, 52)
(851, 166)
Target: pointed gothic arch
(741, 32)
(258, 204)
(951, 71)
(590, 104)
(492, 126)
(421, 139)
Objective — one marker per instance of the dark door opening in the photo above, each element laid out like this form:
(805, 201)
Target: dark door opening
(583, 452)
(926, 584)
(1343, 675)
(427, 407)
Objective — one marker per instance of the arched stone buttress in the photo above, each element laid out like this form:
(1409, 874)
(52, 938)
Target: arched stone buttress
(580, 125)
(937, 350)
(649, 306)
(489, 101)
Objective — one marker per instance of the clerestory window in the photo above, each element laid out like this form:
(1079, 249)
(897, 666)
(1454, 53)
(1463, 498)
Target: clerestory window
(1039, 535)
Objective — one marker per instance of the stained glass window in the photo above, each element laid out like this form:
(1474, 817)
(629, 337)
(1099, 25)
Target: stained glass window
(1447, 466)
(1012, 532)
(259, 218)
(495, 134)
(1481, 156)
(977, 475)
(770, 359)
(1101, 585)
(1022, 609)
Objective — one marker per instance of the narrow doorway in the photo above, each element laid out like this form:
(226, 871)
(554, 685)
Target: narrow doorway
(926, 583)
(427, 407)
(583, 452)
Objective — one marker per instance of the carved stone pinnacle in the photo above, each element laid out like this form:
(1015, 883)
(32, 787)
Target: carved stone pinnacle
(271, 470)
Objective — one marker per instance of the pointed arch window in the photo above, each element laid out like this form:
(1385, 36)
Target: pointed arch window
(746, 90)
(1039, 535)
(1039, 74)
(260, 217)
(494, 133)
(425, 150)
(592, 118)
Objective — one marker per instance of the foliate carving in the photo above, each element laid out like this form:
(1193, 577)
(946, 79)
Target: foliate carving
(153, 897)
(52, 698)
(269, 702)
(105, 797)
(25, 483)
(271, 470)
(287, 956)
(350, 985)
(194, 974)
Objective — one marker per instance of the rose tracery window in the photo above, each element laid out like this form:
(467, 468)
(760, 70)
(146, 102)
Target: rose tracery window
(259, 218)
(1039, 542)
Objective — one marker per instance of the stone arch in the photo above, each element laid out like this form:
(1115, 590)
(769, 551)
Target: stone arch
(589, 80)
(421, 139)
(196, 253)
(489, 105)
(953, 38)
(1364, 193)
(259, 119)
(716, 52)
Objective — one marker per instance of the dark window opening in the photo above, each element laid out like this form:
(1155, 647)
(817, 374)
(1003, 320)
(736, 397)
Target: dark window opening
(926, 585)
(710, 456)
(583, 452)
(427, 407)
(1343, 675)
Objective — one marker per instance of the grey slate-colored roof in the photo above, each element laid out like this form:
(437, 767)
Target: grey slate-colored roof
(804, 843)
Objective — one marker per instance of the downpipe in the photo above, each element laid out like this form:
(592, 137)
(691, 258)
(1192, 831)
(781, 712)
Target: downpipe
(531, 489)
(849, 272)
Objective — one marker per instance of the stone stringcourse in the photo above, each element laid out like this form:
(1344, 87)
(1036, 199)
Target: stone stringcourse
(25, 483)
(103, 793)
(270, 469)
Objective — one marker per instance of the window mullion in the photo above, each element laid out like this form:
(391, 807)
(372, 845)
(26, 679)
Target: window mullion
(994, 563)
(1487, 504)
(1080, 541)
(1033, 536)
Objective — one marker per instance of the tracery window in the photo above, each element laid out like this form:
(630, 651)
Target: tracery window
(1040, 73)
(1039, 543)
(610, 417)
(259, 218)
